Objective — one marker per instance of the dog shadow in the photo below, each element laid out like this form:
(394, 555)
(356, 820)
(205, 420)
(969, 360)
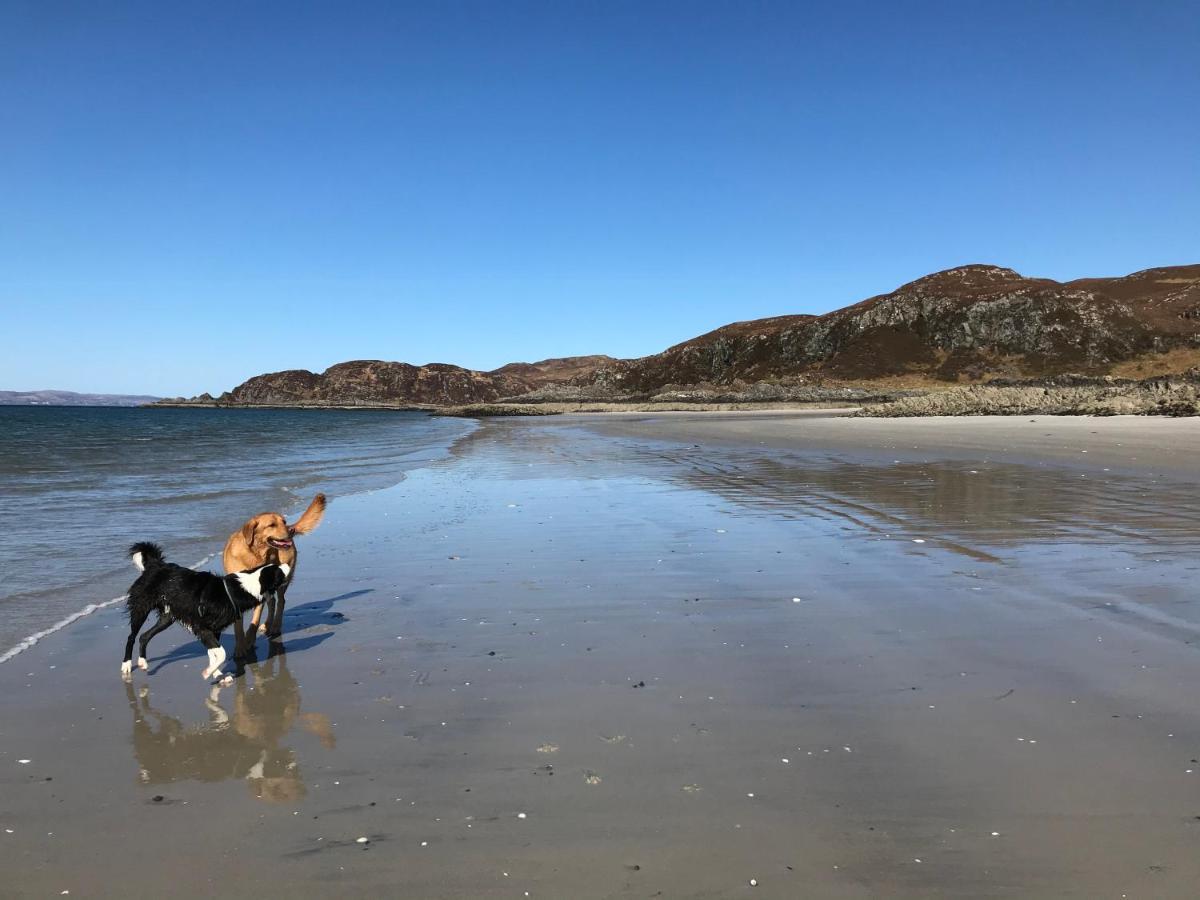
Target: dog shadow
(247, 738)
(298, 618)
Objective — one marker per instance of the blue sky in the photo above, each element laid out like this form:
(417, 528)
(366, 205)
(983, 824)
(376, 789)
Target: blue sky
(191, 194)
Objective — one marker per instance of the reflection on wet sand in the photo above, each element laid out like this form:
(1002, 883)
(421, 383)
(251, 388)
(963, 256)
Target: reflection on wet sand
(963, 506)
(243, 740)
(1001, 505)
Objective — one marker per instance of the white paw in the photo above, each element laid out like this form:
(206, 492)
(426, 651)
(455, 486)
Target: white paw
(226, 681)
(262, 629)
(126, 667)
(142, 664)
(205, 673)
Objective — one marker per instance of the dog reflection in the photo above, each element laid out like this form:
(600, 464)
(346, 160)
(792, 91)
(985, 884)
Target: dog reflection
(245, 742)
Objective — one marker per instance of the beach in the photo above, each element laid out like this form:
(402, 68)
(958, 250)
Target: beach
(666, 655)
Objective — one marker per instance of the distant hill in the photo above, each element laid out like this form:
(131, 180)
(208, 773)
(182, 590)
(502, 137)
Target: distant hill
(968, 324)
(372, 382)
(70, 398)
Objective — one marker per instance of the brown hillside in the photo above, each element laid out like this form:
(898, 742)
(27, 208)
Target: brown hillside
(969, 323)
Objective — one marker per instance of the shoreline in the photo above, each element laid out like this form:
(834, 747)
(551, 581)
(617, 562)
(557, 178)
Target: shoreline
(590, 656)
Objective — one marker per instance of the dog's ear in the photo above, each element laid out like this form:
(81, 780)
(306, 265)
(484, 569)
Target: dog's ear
(248, 531)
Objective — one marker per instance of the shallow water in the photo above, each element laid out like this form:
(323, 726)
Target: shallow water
(79, 485)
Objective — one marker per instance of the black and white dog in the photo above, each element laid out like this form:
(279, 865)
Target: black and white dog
(203, 603)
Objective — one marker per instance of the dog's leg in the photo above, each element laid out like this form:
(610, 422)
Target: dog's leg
(269, 623)
(275, 626)
(164, 622)
(239, 639)
(255, 617)
(216, 654)
(136, 621)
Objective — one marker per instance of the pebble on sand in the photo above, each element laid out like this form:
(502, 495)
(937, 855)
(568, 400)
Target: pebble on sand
(363, 840)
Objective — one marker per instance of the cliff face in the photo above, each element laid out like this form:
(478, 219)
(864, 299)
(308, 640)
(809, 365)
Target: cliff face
(964, 324)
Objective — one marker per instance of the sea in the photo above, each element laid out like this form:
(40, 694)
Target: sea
(78, 485)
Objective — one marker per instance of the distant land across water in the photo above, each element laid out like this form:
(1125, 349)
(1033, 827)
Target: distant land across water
(71, 398)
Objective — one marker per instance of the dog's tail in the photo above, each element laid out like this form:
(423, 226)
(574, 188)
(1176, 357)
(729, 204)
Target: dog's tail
(311, 517)
(146, 555)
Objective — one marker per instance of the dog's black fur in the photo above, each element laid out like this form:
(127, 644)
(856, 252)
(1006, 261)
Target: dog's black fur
(203, 603)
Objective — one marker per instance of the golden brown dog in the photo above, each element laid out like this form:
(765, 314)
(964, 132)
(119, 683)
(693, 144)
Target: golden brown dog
(267, 537)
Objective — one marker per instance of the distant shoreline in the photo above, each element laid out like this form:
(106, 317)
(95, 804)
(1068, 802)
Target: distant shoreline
(1173, 395)
(387, 407)
(487, 410)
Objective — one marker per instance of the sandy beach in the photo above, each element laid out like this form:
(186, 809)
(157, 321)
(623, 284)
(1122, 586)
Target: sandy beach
(669, 655)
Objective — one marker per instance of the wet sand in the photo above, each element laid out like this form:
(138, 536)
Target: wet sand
(663, 656)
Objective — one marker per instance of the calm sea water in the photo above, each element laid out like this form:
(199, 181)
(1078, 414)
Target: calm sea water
(78, 485)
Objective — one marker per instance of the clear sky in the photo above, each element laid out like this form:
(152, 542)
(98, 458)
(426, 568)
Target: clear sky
(194, 193)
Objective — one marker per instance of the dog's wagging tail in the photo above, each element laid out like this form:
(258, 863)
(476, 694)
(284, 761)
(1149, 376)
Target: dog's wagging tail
(203, 603)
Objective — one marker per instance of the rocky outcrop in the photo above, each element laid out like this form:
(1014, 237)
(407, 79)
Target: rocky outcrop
(1170, 396)
(377, 383)
(374, 382)
(965, 323)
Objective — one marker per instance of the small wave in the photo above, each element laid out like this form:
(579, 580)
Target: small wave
(75, 616)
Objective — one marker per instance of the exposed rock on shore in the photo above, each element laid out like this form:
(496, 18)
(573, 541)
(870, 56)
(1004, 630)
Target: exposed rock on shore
(489, 410)
(1169, 396)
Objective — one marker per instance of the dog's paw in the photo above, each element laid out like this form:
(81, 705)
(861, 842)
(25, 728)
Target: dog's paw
(127, 667)
(225, 681)
(262, 629)
(142, 664)
(205, 673)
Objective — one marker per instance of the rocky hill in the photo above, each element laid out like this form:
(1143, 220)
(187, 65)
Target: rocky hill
(968, 324)
(372, 382)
